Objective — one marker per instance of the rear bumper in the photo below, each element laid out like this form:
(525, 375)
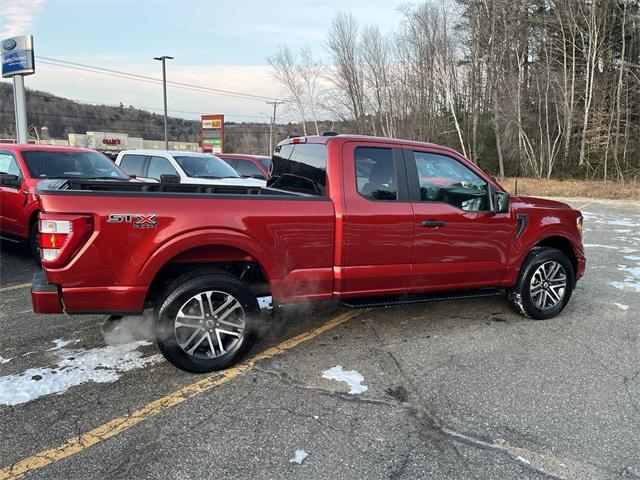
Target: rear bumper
(48, 298)
(45, 297)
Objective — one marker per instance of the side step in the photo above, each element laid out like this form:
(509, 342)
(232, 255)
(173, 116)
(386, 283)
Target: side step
(423, 298)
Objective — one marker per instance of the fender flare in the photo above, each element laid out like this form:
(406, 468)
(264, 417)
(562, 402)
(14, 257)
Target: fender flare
(222, 237)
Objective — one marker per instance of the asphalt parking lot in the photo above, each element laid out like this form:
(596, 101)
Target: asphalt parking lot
(464, 389)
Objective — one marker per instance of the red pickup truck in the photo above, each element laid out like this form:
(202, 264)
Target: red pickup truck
(23, 166)
(364, 220)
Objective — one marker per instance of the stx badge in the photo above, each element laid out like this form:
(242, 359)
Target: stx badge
(138, 220)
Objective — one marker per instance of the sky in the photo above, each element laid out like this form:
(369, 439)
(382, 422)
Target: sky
(219, 44)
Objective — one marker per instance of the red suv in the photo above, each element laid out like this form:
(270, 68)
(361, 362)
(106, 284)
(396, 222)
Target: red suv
(23, 166)
(253, 166)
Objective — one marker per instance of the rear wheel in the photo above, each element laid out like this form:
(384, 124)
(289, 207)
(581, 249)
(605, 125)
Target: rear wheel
(206, 322)
(545, 284)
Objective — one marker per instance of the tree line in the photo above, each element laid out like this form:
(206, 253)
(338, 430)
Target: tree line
(544, 88)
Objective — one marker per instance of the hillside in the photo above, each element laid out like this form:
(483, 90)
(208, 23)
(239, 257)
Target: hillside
(63, 116)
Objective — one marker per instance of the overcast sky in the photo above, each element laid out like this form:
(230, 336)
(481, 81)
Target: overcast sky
(220, 44)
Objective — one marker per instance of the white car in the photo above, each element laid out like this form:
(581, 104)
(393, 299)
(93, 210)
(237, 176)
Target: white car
(190, 167)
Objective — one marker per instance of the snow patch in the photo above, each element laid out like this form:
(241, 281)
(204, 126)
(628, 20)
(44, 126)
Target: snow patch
(621, 306)
(74, 367)
(60, 343)
(265, 303)
(298, 457)
(351, 377)
(631, 280)
(623, 222)
(5, 360)
(524, 460)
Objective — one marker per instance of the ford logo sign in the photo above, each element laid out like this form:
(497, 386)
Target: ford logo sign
(9, 44)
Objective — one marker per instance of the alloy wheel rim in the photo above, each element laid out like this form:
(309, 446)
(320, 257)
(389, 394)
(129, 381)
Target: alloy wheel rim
(209, 325)
(548, 285)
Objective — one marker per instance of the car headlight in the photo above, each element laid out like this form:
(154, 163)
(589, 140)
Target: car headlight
(579, 224)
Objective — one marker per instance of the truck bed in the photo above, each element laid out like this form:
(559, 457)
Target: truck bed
(108, 187)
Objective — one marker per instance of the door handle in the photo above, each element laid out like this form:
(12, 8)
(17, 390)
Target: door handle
(432, 223)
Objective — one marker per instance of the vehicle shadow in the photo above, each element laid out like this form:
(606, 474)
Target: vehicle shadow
(16, 264)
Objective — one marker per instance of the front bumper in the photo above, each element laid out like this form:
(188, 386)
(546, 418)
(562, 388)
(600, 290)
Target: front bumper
(45, 297)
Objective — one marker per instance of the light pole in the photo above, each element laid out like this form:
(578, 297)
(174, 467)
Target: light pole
(164, 91)
(275, 104)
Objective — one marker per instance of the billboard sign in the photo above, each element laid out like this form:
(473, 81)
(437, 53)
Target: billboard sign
(17, 56)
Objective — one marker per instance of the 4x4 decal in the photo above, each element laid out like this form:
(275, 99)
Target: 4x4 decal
(138, 220)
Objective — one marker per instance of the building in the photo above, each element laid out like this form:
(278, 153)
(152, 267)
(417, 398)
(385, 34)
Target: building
(114, 142)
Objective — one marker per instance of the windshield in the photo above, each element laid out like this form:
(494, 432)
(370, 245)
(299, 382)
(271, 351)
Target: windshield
(205, 166)
(50, 164)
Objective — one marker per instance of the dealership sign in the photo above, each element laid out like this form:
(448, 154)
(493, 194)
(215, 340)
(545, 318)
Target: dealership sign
(17, 56)
(111, 141)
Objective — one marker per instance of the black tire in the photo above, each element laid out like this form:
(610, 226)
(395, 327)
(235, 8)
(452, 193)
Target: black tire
(34, 242)
(183, 293)
(527, 303)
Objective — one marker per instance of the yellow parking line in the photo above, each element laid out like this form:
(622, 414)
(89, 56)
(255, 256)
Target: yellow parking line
(112, 428)
(15, 287)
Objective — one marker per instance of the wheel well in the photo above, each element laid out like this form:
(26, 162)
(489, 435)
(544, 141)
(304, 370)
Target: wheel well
(33, 218)
(211, 257)
(564, 246)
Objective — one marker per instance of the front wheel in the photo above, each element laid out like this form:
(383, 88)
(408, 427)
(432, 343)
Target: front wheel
(34, 243)
(545, 284)
(206, 322)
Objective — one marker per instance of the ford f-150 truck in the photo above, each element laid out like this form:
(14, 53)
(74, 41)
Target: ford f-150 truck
(363, 220)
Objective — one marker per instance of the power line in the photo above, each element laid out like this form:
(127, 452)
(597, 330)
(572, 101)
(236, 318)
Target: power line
(147, 79)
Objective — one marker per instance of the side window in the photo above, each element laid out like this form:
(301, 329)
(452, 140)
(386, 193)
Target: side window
(160, 166)
(232, 162)
(300, 167)
(249, 169)
(8, 164)
(132, 164)
(376, 177)
(443, 179)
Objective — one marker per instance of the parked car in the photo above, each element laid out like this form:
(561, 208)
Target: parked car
(23, 166)
(188, 167)
(365, 220)
(253, 166)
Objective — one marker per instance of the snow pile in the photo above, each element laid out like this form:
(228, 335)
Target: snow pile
(298, 457)
(74, 367)
(621, 306)
(351, 377)
(5, 360)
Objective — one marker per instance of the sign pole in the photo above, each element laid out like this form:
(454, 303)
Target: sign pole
(20, 108)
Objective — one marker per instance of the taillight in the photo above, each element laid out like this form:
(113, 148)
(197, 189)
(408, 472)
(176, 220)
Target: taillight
(61, 236)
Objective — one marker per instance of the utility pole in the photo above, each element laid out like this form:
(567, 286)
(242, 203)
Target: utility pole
(275, 104)
(164, 91)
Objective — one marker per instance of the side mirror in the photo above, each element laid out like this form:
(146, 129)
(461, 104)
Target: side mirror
(169, 178)
(498, 201)
(11, 181)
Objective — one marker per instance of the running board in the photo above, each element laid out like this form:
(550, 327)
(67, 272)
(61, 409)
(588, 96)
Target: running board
(424, 298)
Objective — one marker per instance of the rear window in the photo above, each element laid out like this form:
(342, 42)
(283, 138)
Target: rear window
(300, 167)
(48, 164)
